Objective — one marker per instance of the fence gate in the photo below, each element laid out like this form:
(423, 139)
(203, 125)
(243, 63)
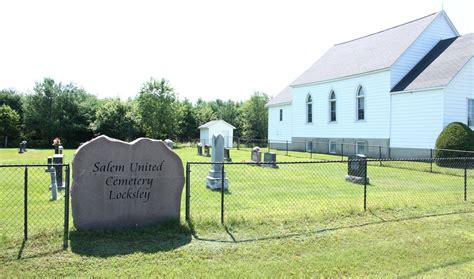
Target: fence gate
(27, 207)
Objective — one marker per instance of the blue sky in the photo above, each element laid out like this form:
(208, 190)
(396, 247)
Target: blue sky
(206, 49)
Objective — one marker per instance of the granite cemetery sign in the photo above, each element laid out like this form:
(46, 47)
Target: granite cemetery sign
(118, 184)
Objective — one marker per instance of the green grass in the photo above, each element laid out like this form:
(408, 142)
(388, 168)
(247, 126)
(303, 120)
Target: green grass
(299, 220)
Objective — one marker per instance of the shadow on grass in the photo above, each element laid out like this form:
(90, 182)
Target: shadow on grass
(381, 220)
(151, 239)
(440, 266)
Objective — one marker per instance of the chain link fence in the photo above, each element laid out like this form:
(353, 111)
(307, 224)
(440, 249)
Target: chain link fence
(311, 191)
(258, 193)
(27, 206)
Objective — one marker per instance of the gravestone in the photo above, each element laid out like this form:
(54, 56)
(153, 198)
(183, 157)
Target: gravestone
(206, 150)
(22, 147)
(56, 148)
(58, 170)
(53, 187)
(58, 159)
(227, 155)
(169, 143)
(118, 184)
(270, 159)
(357, 169)
(256, 155)
(214, 179)
(199, 149)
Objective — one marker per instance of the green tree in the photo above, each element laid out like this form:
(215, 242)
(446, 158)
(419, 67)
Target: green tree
(56, 110)
(10, 123)
(116, 119)
(13, 99)
(157, 108)
(254, 117)
(230, 112)
(204, 112)
(188, 128)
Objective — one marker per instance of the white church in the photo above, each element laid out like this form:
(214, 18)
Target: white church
(395, 88)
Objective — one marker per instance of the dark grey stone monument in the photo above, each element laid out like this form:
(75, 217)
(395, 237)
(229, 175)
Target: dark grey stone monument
(227, 157)
(58, 170)
(118, 184)
(199, 149)
(269, 158)
(22, 147)
(206, 150)
(58, 160)
(169, 143)
(357, 169)
(214, 179)
(57, 148)
(256, 155)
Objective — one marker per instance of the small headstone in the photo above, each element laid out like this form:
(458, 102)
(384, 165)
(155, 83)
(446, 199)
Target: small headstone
(269, 158)
(357, 169)
(169, 143)
(206, 151)
(199, 149)
(256, 155)
(58, 149)
(118, 184)
(22, 147)
(58, 160)
(54, 185)
(214, 179)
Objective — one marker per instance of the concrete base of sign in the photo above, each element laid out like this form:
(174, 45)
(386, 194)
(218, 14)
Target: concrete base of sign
(357, 179)
(214, 181)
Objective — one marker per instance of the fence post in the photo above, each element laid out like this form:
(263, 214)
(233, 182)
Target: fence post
(286, 148)
(238, 143)
(66, 208)
(465, 179)
(365, 185)
(311, 150)
(222, 194)
(380, 155)
(431, 159)
(25, 205)
(188, 188)
(342, 151)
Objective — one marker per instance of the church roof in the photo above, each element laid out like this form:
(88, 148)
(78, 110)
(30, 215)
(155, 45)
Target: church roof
(369, 53)
(440, 65)
(283, 97)
(213, 122)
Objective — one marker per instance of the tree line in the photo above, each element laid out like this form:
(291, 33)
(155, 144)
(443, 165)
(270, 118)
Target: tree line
(69, 112)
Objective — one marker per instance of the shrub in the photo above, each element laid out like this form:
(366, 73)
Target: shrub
(455, 136)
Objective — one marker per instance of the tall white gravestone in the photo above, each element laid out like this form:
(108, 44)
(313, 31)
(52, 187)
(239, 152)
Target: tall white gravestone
(214, 179)
(118, 184)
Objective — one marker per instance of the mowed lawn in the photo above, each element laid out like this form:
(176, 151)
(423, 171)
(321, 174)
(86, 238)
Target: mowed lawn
(297, 220)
